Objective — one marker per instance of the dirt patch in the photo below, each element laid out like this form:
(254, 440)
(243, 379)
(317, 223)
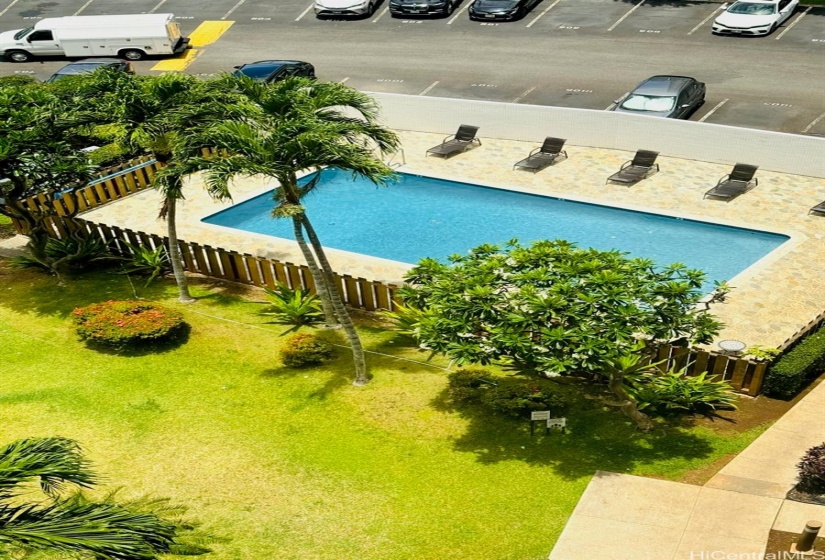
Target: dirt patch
(779, 543)
(7, 230)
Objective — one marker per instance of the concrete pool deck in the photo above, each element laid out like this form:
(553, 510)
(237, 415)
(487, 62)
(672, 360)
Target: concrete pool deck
(772, 299)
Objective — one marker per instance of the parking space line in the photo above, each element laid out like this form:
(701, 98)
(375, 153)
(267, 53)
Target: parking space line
(794, 22)
(305, 12)
(461, 11)
(630, 11)
(235, 7)
(83, 7)
(619, 100)
(709, 113)
(535, 19)
(157, 6)
(384, 11)
(344, 80)
(813, 124)
(429, 87)
(523, 95)
(9, 7)
(704, 21)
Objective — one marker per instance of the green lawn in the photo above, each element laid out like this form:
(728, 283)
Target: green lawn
(299, 464)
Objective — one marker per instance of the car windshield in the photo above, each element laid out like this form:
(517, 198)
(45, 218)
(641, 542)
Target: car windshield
(22, 33)
(752, 9)
(81, 68)
(257, 72)
(652, 103)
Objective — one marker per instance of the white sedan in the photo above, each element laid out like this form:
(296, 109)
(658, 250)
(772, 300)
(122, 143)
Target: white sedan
(345, 7)
(754, 17)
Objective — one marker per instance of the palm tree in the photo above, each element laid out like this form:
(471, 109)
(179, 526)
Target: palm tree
(69, 523)
(162, 115)
(305, 126)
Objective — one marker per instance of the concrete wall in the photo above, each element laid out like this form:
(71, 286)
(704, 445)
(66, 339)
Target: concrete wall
(773, 151)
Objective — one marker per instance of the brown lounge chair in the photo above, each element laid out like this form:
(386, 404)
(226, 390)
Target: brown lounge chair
(819, 209)
(642, 166)
(740, 181)
(543, 156)
(463, 140)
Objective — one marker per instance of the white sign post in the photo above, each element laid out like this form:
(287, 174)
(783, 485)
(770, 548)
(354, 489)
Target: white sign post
(557, 423)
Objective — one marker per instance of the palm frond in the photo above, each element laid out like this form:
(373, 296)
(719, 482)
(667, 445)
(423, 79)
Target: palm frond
(54, 461)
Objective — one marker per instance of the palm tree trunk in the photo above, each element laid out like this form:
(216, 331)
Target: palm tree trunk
(358, 356)
(321, 287)
(174, 252)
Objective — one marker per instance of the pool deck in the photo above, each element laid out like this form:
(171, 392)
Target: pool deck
(772, 299)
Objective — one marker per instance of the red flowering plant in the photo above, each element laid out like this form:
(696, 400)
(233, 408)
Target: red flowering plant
(127, 324)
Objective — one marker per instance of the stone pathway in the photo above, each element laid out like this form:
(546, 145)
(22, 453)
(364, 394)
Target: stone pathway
(623, 517)
(13, 246)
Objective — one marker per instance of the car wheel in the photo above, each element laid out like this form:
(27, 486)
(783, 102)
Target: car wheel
(19, 56)
(132, 54)
(370, 9)
(448, 11)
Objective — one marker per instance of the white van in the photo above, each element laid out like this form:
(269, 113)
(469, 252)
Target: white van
(132, 37)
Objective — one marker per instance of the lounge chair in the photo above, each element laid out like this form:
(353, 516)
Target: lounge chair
(463, 140)
(642, 166)
(819, 209)
(541, 157)
(740, 180)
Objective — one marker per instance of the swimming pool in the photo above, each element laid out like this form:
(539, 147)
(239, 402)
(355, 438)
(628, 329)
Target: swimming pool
(417, 217)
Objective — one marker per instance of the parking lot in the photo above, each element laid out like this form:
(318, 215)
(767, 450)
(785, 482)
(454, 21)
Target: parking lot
(570, 53)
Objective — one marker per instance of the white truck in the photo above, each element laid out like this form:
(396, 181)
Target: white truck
(132, 37)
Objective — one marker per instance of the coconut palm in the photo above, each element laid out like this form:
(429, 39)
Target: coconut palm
(162, 115)
(305, 126)
(68, 523)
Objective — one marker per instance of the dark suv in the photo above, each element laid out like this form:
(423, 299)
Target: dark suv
(400, 8)
(269, 71)
(90, 65)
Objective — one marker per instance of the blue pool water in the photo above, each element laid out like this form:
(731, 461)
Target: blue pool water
(419, 217)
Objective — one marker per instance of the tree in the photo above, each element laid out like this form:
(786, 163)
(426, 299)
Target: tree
(69, 523)
(37, 157)
(555, 309)
(305, 126)
(163, 116)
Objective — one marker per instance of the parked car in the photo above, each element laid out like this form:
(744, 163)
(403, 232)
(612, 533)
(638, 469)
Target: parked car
(422, 7)
(90, 65)
(673, 97)
(269, 71)
(501, 10)
(754, 17)
(344, 7)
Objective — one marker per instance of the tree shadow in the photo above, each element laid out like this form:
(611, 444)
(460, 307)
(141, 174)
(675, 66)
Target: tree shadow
(598, 437)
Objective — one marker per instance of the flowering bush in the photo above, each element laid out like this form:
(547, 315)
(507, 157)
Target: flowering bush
(124, 324)
(306, 349)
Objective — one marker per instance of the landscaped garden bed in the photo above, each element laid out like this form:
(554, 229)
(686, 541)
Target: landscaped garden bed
(297, 463)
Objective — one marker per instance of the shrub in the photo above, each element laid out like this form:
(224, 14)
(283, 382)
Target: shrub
(71, 252)
(304, 349)
(812, 470)
(17, 81)
(146, 261)
(789, 373)
(511, 397)
(127, 324)
(109, 155)
(406, 318)
(674, 391)
(293, 307)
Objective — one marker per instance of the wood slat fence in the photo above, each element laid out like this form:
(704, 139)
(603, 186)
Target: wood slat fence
(742, 374)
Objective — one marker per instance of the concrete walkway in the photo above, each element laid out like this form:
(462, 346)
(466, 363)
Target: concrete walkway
(13, 246)
(623, 517)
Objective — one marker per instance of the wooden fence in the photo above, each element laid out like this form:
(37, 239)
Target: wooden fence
(216, 262)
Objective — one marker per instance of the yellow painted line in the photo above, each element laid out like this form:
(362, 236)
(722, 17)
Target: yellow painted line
(208, 32)
(177, 64)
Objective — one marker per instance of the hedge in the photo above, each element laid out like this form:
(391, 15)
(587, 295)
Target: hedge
(793, 370)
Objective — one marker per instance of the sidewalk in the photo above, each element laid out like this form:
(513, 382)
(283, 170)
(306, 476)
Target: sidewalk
(623, 517)
(13, 246)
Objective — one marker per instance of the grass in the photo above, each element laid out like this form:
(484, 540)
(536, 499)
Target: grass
(6, 229)
(298, 464)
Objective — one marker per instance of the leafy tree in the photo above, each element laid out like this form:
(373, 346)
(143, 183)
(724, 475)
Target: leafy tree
(37, 157)
(67, 522)
(305, 126)
(162, 116)
(555, 309)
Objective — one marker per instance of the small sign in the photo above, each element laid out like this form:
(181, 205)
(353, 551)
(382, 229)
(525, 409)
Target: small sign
(537, 415)
(557, 423)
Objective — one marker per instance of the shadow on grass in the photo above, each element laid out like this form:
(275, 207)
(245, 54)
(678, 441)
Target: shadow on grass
(598, 437)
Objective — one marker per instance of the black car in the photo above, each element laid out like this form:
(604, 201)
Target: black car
(501, 10)
(90, 65)
(672, 97)
(422, 7)
(269, 71)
